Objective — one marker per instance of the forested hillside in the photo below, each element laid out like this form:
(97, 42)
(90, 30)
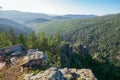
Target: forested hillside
(101, 34)
(59, 54)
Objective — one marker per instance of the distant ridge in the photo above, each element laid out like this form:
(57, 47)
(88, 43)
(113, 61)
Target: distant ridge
(6, 24)
(23, 17)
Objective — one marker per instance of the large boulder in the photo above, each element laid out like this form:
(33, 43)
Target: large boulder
(67, 73)
(37, 55)
(85, 74)
(11, 49)
(34, 58)
(54, 73)
(16, 48)
(78, 74)
(11, 53)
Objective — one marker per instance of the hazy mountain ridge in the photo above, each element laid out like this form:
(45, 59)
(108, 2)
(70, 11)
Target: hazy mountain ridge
(61, 25)
(38, 20)
(72, 16)
(7, 24)
(18, 19)
(23, 17)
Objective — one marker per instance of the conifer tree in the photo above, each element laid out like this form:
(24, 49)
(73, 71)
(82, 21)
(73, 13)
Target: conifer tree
(5, 40)
(42, 42)
(21, 39)
(31, 41)
(12, 36)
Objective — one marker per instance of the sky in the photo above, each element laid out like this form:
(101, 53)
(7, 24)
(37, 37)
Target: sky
(96, 7)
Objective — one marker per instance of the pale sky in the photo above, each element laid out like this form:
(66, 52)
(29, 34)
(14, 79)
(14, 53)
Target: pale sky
(97, 7)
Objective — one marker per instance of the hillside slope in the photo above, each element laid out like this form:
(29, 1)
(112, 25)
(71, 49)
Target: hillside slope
(101, 34)
(7, 24)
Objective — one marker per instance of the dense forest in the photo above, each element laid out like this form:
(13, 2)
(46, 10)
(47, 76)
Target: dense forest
(101, 34)
(101, 64)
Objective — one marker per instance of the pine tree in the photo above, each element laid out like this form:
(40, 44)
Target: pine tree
(42, 42)
(21, 39)
(55, 49)
(31, 41)
(12, 36)
(5, 40)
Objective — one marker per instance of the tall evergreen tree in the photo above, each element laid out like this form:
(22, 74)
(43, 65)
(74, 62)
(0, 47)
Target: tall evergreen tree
(42, 42)
(21, 39)
(31, 41)
(5, 40)
(12, 36)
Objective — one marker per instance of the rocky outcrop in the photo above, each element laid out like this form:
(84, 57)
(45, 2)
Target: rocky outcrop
(54, 73)
(67, 57)
(78, 74)
(85, 74)
(16, 55)
(34, 58)
(8, 55)
(8, 51)
(11, 49)
(36, 54)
